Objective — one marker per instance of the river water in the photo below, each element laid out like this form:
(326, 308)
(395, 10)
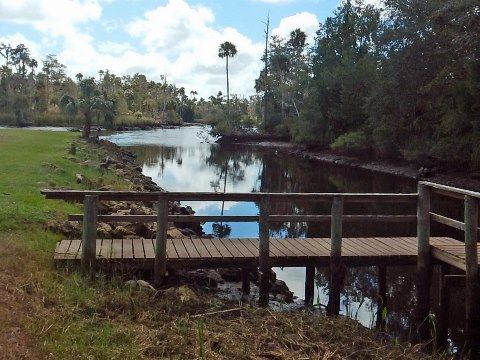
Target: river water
(183, 159)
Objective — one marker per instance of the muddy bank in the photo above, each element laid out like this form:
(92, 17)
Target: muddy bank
(428, 170)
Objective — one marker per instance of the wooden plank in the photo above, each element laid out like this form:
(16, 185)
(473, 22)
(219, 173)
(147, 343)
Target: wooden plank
(231, 248)
(253, 245)
(75, 249)
(171, 251)
(322, 245)
(301, 246)
(148, 246)
(78, 195)
(117, 249)
(399, 246)
(389, 247)
(276, 250)
(451, 191)
(212, 250)
(98, 246)
(284, 247)
(226, 254)
(246, 250)
(62, 249)
(106, 249)
(180, 248)
(191, 249)
(201, 249)
(249, 249)
(351, 248)
(447, 221)
(295, 243)
(127, 249)
(138, 250)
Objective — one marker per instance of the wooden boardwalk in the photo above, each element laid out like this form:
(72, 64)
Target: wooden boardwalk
(194, 253)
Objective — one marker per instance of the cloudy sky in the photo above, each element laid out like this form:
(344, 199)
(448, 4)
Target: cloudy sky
(176, 38)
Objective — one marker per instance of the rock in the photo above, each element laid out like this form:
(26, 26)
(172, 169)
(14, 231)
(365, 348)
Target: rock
(230, 274)
(105, 188)
(70, 229)
(81, 179)
(138, 210)
(121, 231)
(281, 291)
(104, 230)
(140, 229)
(187, 295)
(145, 285)
(174, 233)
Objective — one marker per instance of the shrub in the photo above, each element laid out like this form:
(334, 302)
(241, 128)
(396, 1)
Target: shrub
(351, 142)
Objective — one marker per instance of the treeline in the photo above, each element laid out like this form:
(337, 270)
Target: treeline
(397, 82)
(35, 92)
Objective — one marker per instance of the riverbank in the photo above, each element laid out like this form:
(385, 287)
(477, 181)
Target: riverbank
(428, 170)
(55, 313)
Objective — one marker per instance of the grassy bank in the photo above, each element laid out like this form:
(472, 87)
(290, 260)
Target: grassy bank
(56, 313)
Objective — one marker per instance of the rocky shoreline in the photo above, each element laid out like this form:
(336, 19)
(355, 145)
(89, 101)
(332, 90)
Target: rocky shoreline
(428, 170)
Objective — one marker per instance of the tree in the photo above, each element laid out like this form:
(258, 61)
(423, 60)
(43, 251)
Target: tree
(90, 102)
(226, 50)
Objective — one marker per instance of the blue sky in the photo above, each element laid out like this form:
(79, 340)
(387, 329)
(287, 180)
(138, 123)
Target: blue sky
(176, 38)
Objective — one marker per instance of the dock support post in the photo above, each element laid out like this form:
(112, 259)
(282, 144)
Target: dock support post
(309, 285)
(443, 308)
(424, 266)
(472, 296)
(336, 268)
(160, 267)
(246, 280)
(264, 252)
(382, 295)
(89, 235)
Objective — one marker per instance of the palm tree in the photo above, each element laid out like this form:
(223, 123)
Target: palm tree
(226, 50)
(90, 102)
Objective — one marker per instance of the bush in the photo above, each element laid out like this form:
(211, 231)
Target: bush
(351, 142)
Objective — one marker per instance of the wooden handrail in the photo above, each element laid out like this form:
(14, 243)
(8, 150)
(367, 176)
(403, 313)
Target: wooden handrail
(253, 218)
(78, 195)
(450, 191)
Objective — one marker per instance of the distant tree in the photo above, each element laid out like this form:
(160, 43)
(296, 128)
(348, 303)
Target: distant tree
(226, 50)
(90, 102)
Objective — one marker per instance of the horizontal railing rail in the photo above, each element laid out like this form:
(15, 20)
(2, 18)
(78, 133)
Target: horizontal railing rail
(79, 195)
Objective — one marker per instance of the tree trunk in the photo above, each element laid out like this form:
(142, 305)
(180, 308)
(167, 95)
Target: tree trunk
(87, 126)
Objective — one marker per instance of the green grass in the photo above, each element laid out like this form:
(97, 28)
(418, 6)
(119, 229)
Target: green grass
(31, 161)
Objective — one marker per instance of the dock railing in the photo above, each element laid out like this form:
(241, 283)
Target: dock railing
(264, 200)
(472, 280)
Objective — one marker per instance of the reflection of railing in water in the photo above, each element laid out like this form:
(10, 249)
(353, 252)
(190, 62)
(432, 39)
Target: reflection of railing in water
(427, 253)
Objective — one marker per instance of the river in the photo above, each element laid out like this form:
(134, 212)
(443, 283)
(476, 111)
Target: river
(183, 159)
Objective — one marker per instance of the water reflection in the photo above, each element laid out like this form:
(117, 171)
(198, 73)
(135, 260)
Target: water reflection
(179, 160)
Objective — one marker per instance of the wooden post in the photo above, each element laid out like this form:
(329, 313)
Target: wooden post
(264, 252)
(161, 241)
(382, 295)
(309, 285)
(424, 266)
(246, 280)
(443, 308)
(472, 296)
(336, 270)
(89, 235)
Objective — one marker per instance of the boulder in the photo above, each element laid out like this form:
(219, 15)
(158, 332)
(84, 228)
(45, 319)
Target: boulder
(174, 233)
(104, 230)
(121, 231)
(281, 291)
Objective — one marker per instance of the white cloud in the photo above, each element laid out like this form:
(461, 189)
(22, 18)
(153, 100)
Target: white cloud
(305, 21)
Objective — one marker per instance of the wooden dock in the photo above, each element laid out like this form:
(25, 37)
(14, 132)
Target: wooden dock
(196, 253)
(336, 252)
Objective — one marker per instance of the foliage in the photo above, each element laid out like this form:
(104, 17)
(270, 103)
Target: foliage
(351, 142)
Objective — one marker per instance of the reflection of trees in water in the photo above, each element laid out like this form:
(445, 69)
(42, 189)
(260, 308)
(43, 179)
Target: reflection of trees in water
(158, 155)
(227, 167)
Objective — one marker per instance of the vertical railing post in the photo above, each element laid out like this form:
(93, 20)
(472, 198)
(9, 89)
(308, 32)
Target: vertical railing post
(309, 285)
(441, 341)
(89, 235)
(382, 295)
(424, 265)
(264, 251)
(336, 267)
(160, 267)
(472, 296)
